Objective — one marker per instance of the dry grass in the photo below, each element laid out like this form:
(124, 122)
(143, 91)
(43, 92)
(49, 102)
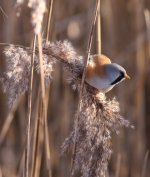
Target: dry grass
(45, 84)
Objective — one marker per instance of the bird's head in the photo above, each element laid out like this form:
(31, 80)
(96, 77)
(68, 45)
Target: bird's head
(115, 73)
(104, 75)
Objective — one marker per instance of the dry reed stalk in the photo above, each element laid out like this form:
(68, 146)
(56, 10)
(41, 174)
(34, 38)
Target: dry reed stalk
(8, 121)
(47, 39)
(147, 20)
(145, 164)
(98, 32)
(35, 145)
(1, 174)
(118, 164)
(21, 159)
(140, 88)
(35, 133)
(39, 142)
(20, 170)
(83, 78)
(46, 136)
(48, 88)
(49, 20)
(28, 131)
(3, 12)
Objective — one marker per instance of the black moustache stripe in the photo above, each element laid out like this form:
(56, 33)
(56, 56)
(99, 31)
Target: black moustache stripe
(118, 79)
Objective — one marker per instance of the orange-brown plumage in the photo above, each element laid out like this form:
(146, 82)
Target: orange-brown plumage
(95, 66)
(104, 75)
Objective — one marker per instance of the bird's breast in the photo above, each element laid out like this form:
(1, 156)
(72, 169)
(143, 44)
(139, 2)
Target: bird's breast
(101, 84)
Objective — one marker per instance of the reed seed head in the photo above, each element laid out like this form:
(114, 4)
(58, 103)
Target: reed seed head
(38, 9)
(99, 117)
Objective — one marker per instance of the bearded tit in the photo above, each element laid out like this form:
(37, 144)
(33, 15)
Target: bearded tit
(104, 75)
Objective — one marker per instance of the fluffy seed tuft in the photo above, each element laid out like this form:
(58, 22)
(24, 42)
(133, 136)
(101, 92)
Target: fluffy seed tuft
(99, 117)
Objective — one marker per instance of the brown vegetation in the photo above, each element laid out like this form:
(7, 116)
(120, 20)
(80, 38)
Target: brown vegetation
(44, 84)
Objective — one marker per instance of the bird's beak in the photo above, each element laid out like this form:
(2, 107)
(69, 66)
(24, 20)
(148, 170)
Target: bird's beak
(127, 76)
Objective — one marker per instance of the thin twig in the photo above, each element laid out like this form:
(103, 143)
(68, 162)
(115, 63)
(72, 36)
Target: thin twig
(98, 37)
(82, 82)
(27, 150)
(3, 12)
(49, 20)
(47, 148)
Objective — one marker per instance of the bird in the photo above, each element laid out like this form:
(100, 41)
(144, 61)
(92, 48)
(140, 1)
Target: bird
(102, 74)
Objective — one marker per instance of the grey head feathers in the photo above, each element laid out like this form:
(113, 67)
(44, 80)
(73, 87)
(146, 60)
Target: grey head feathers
(115, 73)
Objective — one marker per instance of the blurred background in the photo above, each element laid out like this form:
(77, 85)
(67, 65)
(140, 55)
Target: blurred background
(125, 28)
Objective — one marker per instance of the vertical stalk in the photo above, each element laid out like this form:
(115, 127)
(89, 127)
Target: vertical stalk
(82, 82)
(49, 20)
(47, 148)
(8, 121)
(39, 141)
(98, 32)
(140, 87)
(118, 165)
(147, 20)
(145, 164)
(27, 149)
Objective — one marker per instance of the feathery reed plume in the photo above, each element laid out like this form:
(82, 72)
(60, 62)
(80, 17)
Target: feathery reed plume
(98, 116)
(16, 78)
(18, 6)
(65, 53)
(19, 2)
(38, 10)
